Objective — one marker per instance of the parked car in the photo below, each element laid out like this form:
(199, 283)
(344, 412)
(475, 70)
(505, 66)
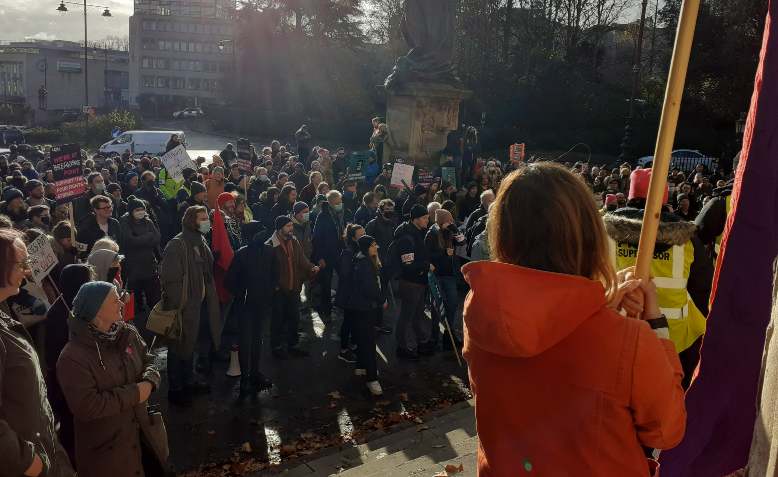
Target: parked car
(685, 160)
(189, 113)
(10, 135)
(140, 142)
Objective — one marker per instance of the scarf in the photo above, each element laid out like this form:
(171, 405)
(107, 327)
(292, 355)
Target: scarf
(109, 336)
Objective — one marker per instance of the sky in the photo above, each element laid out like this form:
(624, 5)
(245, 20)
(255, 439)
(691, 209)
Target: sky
(39, 19)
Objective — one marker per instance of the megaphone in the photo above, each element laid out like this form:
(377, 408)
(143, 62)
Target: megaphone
(234, 370)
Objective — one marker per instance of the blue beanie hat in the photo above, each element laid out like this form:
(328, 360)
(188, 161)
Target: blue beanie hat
(90, 298)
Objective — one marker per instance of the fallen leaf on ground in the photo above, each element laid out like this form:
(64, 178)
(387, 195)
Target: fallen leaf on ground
(441, 474)
(246, 447)
(438, 446)
(453, 469)
(422, 428)
(418, 420)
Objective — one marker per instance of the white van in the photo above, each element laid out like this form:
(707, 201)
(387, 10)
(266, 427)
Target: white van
(140, 142)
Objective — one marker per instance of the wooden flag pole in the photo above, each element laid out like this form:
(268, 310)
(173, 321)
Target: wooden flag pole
(664, 142)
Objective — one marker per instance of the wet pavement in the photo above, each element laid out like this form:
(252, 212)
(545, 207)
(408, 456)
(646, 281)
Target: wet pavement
(316, 404)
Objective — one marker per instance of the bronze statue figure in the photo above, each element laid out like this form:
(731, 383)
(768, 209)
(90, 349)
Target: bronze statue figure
(428, 29)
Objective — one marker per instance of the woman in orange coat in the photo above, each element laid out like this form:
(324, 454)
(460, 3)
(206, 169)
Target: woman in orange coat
(564, 385)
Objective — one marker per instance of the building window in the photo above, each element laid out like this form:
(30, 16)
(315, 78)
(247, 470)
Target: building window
(193, 83)
(162, 82)
(148, 81)
(144, 62)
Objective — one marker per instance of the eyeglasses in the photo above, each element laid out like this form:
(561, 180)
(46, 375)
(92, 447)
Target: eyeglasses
(25, 265)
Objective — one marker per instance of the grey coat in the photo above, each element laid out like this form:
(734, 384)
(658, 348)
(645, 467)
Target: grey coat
(99, 380)
(189, 250)
(27, 423)
(139, 242)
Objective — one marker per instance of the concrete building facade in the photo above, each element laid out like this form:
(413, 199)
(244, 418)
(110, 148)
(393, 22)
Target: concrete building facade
(58, 66)
(181, 53)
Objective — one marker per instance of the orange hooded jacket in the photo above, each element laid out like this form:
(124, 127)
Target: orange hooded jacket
(564, 386)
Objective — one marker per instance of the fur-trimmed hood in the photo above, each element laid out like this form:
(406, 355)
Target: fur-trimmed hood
(624, 226)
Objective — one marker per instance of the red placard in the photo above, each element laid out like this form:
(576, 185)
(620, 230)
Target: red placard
(68, 172)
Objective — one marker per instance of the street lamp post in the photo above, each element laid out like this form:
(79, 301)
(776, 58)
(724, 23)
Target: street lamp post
(106, 13)
(626, 146)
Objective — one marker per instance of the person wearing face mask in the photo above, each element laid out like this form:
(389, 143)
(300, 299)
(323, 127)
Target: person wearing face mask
(29, 442)
(441, 241)
(81, 206)
(301, 215)
(150, 193)
(14, 207)
(114, 191)
(40, 217)
(257, 185)
(186, 273)
(107, 375)
(293, 269)
(327, 245)
(139, 240)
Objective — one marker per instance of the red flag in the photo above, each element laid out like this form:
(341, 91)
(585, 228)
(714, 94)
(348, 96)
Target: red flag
(221, 247)
(721, 401)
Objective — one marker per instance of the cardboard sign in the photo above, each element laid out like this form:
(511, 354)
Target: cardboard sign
(176, 160)
(357, 162)
(244, 156)
(449, 175)
(42, 258)
(68, 172)
(401, 173)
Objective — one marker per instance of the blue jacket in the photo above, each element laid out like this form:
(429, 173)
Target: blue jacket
(371, 172)
(364, 215)
(327, 237)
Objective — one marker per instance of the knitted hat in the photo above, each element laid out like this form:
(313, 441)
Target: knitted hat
(417, 211)
(90, 298)
(32, 184)
(281, 221)
(443, 216)
(638, 185)
(196, 188)
(113, 187)
(611, 199)
(299, 207)
(364, 243)
(130, 175)
(225, 197)
(135, 203)
(11, 193)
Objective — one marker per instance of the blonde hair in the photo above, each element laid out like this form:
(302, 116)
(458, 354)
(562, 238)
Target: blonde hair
(106, 243)
(545, 218)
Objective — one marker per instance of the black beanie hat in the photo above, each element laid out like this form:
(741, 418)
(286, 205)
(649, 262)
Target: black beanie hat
(281, 221)
(196, 187)
(417, 211)
(134, 203)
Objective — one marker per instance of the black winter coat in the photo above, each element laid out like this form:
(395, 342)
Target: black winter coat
(89, 232)
(365, 285)
(139, 241)
(445, 265)
(414, 258)
(253, 274)
(382, 230)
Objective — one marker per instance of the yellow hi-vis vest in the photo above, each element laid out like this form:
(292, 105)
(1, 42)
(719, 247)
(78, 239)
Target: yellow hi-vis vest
(717, 247)
(670, 270)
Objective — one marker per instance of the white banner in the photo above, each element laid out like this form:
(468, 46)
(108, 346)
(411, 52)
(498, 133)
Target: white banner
(176, 161)
(42, 258)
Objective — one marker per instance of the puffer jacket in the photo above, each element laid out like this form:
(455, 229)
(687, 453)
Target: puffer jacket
(27, 424)
(99, 379)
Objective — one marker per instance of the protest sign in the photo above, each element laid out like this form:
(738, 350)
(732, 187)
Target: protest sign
(68, 172)
(401, 173)
(424, 177)
(176, 160)
(357, 162)
(244, 156)
(449, 175)
(42, 258)
(517, 152)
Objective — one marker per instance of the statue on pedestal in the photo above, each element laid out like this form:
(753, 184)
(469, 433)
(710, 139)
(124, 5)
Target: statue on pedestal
(428, 29)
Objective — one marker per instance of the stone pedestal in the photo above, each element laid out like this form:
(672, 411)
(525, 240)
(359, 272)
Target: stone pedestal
(420, 116)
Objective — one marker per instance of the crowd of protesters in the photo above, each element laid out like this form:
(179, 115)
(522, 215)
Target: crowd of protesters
(232, 248)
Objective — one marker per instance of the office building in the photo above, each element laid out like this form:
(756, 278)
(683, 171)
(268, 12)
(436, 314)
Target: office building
(58, 67)
(181, 53)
